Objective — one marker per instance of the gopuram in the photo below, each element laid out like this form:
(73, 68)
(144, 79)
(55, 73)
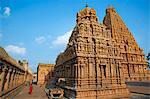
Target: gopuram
(99, 58)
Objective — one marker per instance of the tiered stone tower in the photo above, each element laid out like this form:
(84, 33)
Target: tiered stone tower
(91, 63)
(134, 64)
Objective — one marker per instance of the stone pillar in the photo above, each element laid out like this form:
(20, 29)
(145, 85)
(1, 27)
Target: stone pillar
(18, 78)
(102, 71)
(79, 71)
(110, 71)
(122, 79)
(82, 71)
(91, 69)
(21, 79)
(12, 79)
(18, 83)
(15, 79)
(78, 68)
(117, 73)
(9, 79)
(3, 75)
(113, 75)
(75, 74)
(25, 76)
(2, 80)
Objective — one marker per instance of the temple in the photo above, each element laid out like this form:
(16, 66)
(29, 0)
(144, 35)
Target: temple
(89, 64)
(100, 58)
(134, 64)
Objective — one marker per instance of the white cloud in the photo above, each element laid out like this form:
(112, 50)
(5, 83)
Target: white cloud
(40, 39)
(15, 49)
(62, 39)
(7, 11)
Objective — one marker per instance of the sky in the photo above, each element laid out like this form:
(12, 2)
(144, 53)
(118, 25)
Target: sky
(38, 30)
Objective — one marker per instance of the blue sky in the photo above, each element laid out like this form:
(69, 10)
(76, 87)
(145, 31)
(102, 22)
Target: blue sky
(37, 30)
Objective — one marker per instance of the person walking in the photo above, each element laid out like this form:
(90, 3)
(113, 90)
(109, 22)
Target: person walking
(30, 89)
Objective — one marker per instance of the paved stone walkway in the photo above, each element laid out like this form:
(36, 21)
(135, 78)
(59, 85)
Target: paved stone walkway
(37, 93)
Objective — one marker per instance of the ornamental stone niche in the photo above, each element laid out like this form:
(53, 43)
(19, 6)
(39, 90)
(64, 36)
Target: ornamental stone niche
(97, 59)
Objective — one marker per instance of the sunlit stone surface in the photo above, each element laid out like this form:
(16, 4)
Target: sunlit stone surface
(44, 73)
(13, 74)
(99, 58)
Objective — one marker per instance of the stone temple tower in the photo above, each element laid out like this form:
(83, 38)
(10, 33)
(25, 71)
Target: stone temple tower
(91, 63)
(134, 64)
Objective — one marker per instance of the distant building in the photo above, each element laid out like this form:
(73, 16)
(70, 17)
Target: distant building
(28, 71)
(43, 70)
(34, 78)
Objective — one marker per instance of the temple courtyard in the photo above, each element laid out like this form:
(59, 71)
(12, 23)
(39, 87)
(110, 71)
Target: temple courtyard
(96, 59)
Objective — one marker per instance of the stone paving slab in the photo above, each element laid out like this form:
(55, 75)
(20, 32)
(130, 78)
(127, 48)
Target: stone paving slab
(37, 93)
